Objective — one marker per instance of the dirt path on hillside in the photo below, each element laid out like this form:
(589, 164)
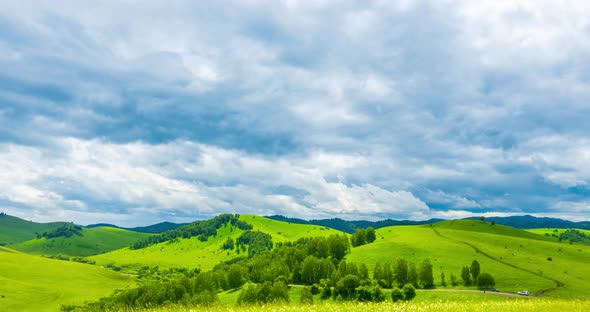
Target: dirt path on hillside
(503, 294)
(557, 283)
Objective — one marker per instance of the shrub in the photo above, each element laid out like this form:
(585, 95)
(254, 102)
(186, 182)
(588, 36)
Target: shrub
(397, 295)
(409, 292)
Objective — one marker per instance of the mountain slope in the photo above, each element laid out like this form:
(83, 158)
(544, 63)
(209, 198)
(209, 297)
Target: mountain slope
(518, 260)
(351, 226)
(13, 229)
(32, 283)
(90, 242)
(194, 253)
(153, 229)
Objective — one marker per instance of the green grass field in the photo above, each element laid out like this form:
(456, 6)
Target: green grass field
(517, 259)
(13, 229)
(93, 241)
(192, 253)
(536, 305)
(33, 283)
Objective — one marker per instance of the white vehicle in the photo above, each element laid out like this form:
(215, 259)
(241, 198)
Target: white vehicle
(523, 292)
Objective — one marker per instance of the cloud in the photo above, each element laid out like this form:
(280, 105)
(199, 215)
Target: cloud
(361, 110)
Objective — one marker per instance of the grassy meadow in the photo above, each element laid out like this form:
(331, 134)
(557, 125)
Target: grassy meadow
(536, 305)
(193, 253)
(33, 283)
(13, 229)
(517, 259)
(93, 241)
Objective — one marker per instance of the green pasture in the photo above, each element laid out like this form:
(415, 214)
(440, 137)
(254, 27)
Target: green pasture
(33, 283)
(93, 241)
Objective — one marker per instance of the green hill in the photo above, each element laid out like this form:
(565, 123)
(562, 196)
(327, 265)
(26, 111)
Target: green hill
(192, 252)
(13, 229)
(32, 283)
(88, 242)
(518, 260)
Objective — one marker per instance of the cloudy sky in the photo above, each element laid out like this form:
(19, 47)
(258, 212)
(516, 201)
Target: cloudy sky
(137, 112)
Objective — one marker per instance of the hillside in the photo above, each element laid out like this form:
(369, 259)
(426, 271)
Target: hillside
(152, 229)
(351, 226)
(192, 252)
(32, 283)
(13, 229)
(517, 259)
(89, 242)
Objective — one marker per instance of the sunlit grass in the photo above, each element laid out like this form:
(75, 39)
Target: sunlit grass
(537, 305)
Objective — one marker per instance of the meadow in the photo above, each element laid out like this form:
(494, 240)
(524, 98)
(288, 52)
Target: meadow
(537, 305)
(517, 259)
(33, 283)
(92, 242)
(193, 253)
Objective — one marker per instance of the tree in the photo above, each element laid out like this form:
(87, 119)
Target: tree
(346, 287)
(409, 292)
(371, 236)
(306, 296)
(377, 272)
(413, 275)
(401, 271)
(397, 294)
(465, 275)
(426, 277)
(377, 294)
(475, 269)
(454, 281)
(363, 271)
(279, 292)
(237, 275)
(248, 295)
(442, 279)
(339, 245)
(482, 219)
(485, 281)
(359, 238)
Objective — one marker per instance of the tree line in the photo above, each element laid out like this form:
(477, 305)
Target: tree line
(201, 229)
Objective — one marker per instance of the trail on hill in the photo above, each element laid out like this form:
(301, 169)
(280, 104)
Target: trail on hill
(557, 283)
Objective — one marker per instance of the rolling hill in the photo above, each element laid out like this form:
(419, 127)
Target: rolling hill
(13, 229)
(32, 283)
(153, 229)
(91, 241)
(193, 253)
(517, 259)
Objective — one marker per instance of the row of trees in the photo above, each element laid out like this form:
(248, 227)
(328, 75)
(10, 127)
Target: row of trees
(403, 273)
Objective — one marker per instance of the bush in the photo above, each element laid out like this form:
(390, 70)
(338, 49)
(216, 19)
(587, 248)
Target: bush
(397, 295)
(306, 296)
(409, 292)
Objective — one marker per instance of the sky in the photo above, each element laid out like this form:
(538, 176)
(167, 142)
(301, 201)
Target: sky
(137, 112)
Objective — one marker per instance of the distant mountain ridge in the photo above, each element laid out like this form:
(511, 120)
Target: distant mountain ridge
(520, 222)
(532, 222)
(152, 229)
(351, 226)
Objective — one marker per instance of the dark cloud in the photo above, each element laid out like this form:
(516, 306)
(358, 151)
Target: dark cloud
(406, 110)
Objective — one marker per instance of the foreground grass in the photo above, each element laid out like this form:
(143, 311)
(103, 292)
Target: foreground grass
(33, 283)
(440, 306)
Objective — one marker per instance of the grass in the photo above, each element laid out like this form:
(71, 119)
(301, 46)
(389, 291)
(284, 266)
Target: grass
(93, 241)
(192, 253)
(13, 229)
(33, 283)
(517, 259)
(537, 305)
